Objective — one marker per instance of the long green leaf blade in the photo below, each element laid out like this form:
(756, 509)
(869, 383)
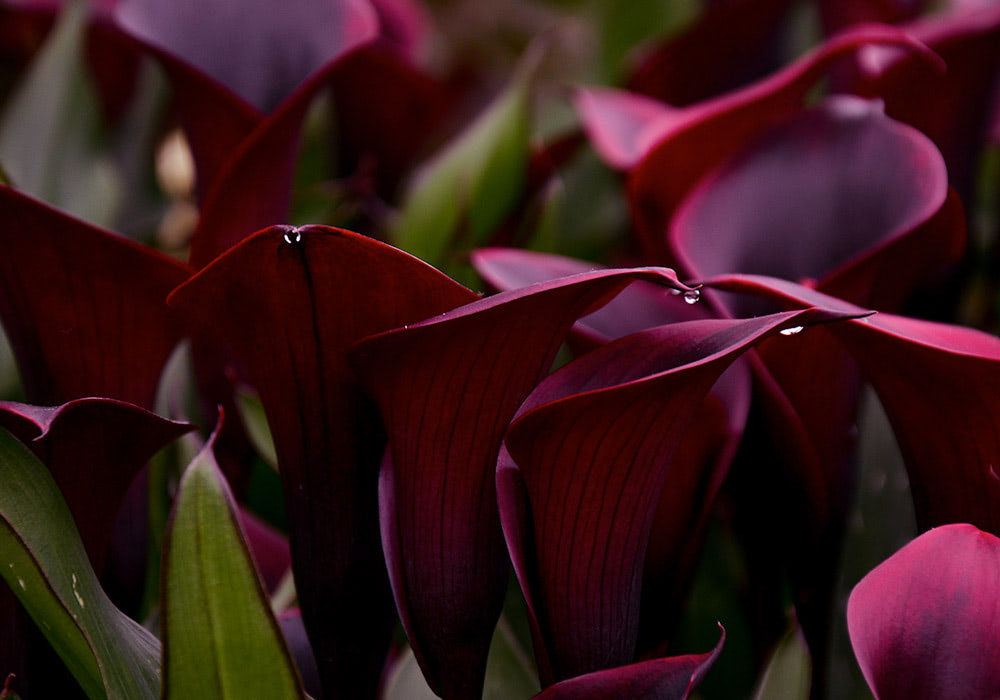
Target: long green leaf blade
(44, 563)
(470, 186)
(51, 124)
(220, 638)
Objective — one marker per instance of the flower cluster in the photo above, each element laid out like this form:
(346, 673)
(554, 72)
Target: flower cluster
(674, 367)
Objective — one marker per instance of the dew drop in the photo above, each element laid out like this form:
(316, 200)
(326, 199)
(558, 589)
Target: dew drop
(675, 292)
(692, 296)
(292, 236)
(20, 582)
(791, 331)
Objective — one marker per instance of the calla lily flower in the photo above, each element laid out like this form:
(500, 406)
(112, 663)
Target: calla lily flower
(706, 449)
(592, 445)
(936, 382)
(242, 107)
(83, 308)
(288, 303)
(447, 388)
(963, 110)
(923, 623)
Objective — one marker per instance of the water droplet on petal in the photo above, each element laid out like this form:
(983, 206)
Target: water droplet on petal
(675, 292)
(791, 331)
(292, 236)
(692, 296)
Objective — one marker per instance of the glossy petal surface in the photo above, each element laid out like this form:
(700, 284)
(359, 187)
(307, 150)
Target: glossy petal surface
(925, 623)
(812, 195)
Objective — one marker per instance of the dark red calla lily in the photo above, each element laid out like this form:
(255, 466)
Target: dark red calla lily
(670, 678)
(242, 106)
(447, 388)
(621, 125)
(925, 623)
(855, 203)
(938, 384)
(701, 137)
(288, 303)
(310, 34)
(83, 308)
(818, 193)
(585, 462)
(706, 450)
(953, 108)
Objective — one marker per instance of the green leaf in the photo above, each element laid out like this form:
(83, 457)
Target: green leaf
(789, 673)
(43, 561)
(51, 124)
(258, 430)
(220, 638)
(468, 188)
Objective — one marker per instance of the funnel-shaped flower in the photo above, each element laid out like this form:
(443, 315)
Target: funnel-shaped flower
(677, 147)
(242, 102)
(84, 309)
(288, 303)
(585, 463)
(925, 623)
(447, 388)
(939, 385)
(706, 450)
(959, 117)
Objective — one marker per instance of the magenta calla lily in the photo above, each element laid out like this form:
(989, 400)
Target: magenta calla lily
(283, 294)
(924, 623)
(440, 527)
